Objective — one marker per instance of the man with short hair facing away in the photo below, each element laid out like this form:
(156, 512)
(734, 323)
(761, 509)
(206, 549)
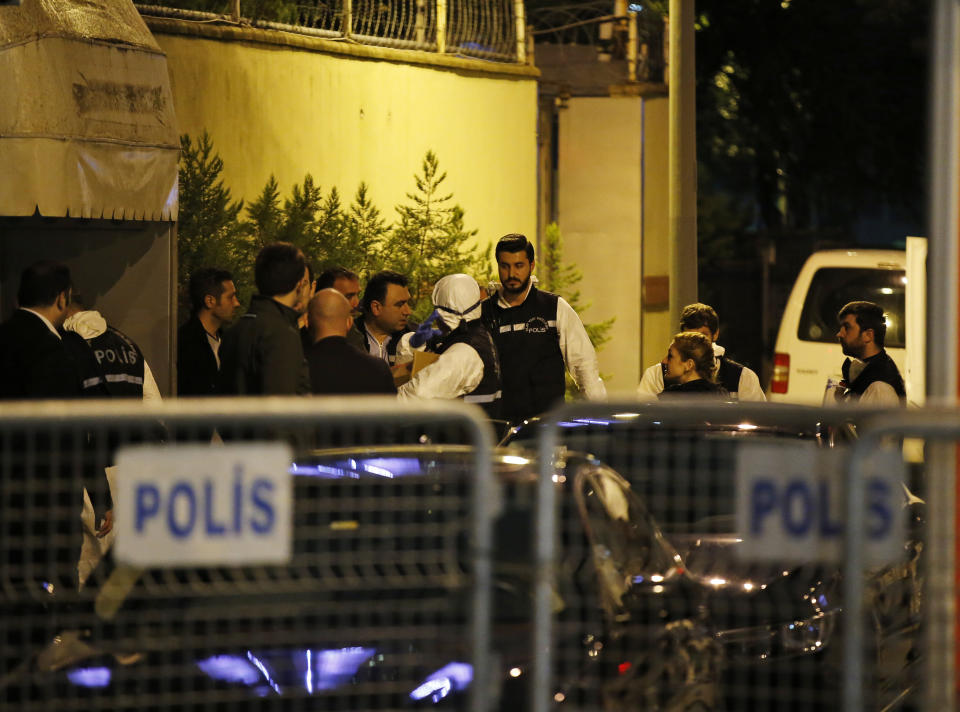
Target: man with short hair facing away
(35, 364)
(110, 363)
(468, 367)
(870, 376)
(539, 337)
(213, 301)
(740, 382)
(336, 367)
(386, 311)
(261, 353)
(34, 361)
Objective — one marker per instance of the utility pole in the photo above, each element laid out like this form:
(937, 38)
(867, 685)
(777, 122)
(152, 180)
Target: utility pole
(682, 159)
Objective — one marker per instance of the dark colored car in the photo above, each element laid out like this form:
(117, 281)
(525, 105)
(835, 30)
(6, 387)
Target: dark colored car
(771, 632)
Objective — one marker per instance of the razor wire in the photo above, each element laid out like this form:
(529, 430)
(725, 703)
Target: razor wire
(484, 29)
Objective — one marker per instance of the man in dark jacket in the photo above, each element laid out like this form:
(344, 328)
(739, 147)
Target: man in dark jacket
(35, 364)
(262, 354)
(213, 299)
(336, 367)
(869, 374)
(33, 359)
(386, 311)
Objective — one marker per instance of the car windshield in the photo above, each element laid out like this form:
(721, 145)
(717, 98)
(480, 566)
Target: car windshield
(834, 287)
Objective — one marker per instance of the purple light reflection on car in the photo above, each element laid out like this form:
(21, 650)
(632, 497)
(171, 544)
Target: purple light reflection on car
(91, 677)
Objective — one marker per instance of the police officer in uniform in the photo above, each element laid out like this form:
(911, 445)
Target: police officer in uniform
(468, 366)
(111, 365)
(539, 337)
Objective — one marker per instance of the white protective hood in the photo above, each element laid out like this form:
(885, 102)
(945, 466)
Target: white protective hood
(457, 296)
(87, 124)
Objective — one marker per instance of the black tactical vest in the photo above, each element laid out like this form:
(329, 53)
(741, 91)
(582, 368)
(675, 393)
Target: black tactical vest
(531, 363)
(728, 374)
(488, 394)
(879, 368)
(111, 365)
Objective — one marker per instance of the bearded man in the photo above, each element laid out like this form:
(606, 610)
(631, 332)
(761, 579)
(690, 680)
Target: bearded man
(539, 337)
(869, 374)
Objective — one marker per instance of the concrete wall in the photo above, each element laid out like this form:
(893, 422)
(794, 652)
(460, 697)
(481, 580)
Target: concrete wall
(613, 215)
(288, 111)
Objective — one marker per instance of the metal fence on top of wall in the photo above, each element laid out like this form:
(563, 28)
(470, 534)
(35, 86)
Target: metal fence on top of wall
(486, 29)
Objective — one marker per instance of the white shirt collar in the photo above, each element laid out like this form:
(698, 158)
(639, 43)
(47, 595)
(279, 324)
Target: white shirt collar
(45, 321)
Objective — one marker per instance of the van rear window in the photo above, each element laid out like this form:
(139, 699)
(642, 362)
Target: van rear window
(832, 287)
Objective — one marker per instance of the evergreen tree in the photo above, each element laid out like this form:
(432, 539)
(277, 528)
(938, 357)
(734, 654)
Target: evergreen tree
(429, 241)
(561, 278)
(330, 233)
(264, 215)
(299, 221)
(364, 235)
(209, 232)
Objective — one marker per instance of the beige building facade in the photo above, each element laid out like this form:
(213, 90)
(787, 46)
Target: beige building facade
(612, 200)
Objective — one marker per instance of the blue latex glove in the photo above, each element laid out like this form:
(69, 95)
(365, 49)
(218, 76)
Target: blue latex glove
(425, 331)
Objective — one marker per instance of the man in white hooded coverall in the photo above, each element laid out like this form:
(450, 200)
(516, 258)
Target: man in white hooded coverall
(468, 366)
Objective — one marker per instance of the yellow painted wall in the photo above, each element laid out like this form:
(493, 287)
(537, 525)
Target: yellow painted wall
(289, 111)
(656, 328)
(612, 212)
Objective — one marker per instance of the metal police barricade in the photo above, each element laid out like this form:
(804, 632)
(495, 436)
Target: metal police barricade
(696, 555)
(929, 438)
(269, 553)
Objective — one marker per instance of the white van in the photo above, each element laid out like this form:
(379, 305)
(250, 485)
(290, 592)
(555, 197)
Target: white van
(807, 352)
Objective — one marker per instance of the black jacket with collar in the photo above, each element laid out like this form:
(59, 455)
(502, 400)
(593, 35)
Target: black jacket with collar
(336, 367)
(35, 364)
(698, 386)
(196, 364)
(262, 353)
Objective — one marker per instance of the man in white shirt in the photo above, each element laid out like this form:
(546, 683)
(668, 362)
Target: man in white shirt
(737, 379)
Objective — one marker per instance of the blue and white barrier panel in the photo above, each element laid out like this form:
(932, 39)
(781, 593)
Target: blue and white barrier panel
(791, 503)
(196, 505)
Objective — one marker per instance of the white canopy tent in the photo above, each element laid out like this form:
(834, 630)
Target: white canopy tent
(87, 123)
(88, 163)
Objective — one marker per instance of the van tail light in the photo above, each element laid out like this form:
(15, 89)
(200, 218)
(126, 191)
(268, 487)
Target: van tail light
(781, 373)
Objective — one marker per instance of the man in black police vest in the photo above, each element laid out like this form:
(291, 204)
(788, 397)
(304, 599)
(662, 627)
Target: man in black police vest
(869, 374)
(111, 365)
(539, 337)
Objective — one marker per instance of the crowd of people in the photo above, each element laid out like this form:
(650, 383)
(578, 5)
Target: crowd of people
(508, 352)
